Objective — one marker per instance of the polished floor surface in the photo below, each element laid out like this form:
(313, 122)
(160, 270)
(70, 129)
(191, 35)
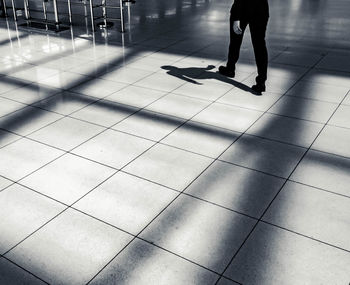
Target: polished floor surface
(127, 159)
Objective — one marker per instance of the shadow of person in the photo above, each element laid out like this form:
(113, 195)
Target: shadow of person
(192, 74)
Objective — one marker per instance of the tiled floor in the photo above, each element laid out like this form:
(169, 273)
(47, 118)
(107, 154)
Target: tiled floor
(127, 159)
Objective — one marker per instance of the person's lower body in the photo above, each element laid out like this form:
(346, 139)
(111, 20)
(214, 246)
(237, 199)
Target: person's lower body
(2, 9)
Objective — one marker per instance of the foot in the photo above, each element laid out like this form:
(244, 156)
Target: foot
(2, 15)
(224, 70)
(259, 88)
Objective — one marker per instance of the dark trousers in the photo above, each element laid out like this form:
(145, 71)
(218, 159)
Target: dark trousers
(257, 30)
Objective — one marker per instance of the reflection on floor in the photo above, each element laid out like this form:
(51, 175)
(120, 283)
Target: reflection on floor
(127, 159)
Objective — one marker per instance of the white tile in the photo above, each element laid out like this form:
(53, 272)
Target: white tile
(68, 178)
(4, 183)
(329, 77)
(98, 88)
(311, 212)
(136, 96)
(162, 82)
(313, 110)
(143, 264)
(65, 80)
(126, 202)
(126, 75)
(285, 129)
(264, 155)
(179, 106)
(227, 117)
(113, 148)
(66, 133)
(149, 125)
(35, 74)
(325, 171)
(9, 106)
(69, 250)
(341, 117)
(24, 156)
(274, 256)
(169, 166)
(202, 139)
(199, 231)
(25, 212)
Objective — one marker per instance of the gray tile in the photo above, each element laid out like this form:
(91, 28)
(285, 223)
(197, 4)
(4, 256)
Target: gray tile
(149, 125)
(104, 113)
(285, 129)
(297, 58)
(245, 99)
(325, 171)
(7, 137)
(236, 188)
(274, 256)
(126, 202)
(136, 96)
(312, 212)
(202, 139)
(113, 148)
(98, 88)
(25, 212)
(14, 275)
(179, 106)
(334, 140)
(66, 133)
(313, 110)
(228, 117)
(341, 118)
(68, 178)
(71, 249)
(264, 155)
(143, 264)
(169, 166)
(199, 231)
(28, 120)
(24, 156)
(225, 281)
(318, 91)
(331, 62)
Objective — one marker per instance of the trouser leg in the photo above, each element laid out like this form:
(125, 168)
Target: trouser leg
(258, 32)
(235, 45)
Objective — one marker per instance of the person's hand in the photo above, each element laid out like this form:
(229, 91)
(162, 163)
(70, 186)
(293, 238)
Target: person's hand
(237, 27)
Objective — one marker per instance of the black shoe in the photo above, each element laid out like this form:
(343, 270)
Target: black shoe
(259, 88)
(2, 15)
(227, 72)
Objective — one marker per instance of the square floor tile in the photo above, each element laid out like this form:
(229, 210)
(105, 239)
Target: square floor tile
(202, 139)
(313, 110)
(206, 90)
(341, 117)
(274, 256)
(202, 232)
(68, 178)
(126, 75)
(149, 125)
(312, 212)
(7, 138)
(126, 202)
(143, 264)
(227, 117)
(334, 140)
(23, 212)
(236, 188)
(264, 155)
(14, 275)
(35, 74)
(136, 96)
(169, 166)
(7, 84)
(28, 120)
(65, 80)
(71, 249)
(318, 91)
(9, 106)
(340, 63)
(180, 106)
(297, 58)
(104, 112)
(24, 156)
(4, 183)
(30, 94)
(148, 64)
(162, 82)
(285, 129)
(329, 77)
(246, 99)
(66, 133)
(325, 171)
(98, 88)
(113, 148)
(65, 102)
